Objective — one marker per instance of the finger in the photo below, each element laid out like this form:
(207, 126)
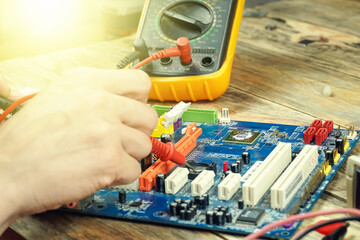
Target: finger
(129, 170)
(4, 88)
(136, 143)
(134, 114)
(135, 84)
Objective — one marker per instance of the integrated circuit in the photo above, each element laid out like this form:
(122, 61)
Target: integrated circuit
(242, 137)
(251, 216)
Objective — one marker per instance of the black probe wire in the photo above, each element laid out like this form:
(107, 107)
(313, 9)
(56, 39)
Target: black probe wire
(313, 228)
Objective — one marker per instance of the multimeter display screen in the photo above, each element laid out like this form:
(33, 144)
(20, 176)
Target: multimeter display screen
(206, 23)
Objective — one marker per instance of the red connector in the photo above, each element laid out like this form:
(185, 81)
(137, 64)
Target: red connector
(328, 229)
(329, 125)
(167, 152)
(317, 123)
(225, 166)
(321, 135)
(182, 50)
(309, 135)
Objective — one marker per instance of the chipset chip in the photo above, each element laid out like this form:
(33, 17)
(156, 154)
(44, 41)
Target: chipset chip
(243, 137)
(251, 216)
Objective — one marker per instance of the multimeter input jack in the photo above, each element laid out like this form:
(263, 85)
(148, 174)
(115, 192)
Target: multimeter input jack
(207, 62)
(166, 61)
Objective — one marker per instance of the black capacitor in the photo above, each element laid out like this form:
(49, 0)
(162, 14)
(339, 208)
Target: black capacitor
(194, 207)
(146, 162)
(219, 218)
(206, 199)
(122, 196)
(193, 211)
(329, 156)
(160, 183)
(183, 206)
(246, 157)
(188, 215)
(173, 208)
(188, 203)
(340, 145)
(201, 204)
(240, 164)
(224, 209)
(209, 217)
(234, 168)
(228, 217)
(197, 200)
(165, 138)
(240, 203)
(178, 200)
(182, 214)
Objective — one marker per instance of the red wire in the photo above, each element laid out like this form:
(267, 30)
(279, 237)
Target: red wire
(299, 217)
(15, 105)
(165, 53)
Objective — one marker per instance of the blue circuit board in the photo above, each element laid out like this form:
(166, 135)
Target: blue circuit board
(153, 206)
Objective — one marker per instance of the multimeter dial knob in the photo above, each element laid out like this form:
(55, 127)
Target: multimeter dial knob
(186, 19)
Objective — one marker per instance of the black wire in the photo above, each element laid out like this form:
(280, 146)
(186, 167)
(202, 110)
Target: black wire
(325, 224)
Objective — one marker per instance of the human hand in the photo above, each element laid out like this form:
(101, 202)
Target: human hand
(76, 137)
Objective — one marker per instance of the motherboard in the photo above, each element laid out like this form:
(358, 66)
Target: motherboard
(239, 176)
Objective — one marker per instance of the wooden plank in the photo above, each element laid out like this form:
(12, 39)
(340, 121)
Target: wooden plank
(271, 65)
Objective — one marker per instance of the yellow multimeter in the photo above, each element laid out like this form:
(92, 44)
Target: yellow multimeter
(212, 27)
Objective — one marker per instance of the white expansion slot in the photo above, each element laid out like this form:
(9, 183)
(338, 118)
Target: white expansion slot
(266, 174)
(202, 183)
(250, 172)
(229, 186)
(294, 176)
(176, 180)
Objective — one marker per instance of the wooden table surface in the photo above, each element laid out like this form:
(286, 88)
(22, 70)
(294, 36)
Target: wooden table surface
(274, 79)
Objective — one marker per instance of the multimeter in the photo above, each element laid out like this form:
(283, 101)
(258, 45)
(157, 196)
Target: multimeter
(212, 27)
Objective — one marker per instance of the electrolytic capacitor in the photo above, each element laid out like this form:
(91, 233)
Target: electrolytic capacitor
(329, 156)
(183, 206)
(246, 157)
(182, 214)
(234, 168)
(228, 217)
(188, 203)
(201, 204)
(122, 196)
(209, 217)
(240, 163)
(160, 183)
(340, 145)
(240, 203)
(173, 208)
(188, 215)
(206, 199)
(219, 218)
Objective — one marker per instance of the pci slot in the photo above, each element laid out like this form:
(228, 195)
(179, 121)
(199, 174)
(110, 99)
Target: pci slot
(176, 180)
(202, 183)
(294, 176)
(266, 174)
(229, 186)
(185, 145)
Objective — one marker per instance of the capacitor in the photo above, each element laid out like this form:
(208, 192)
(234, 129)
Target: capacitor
(224, 209)
(201, 204)
(178, 200)
(340, 145)
(228, 217)
(146, 162)
(240, 164)
(234, 168)
(122, 196)
(188, 215)
(165, 137)
(160, 182)
(209, 217)
(206, 199)
(173, 208)
(188, 203)
(193, 211)
(183, 206)
(219, 218)
(225, 166)
(240, 203)
(246, 157)
(329, 156)
(182, 214)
